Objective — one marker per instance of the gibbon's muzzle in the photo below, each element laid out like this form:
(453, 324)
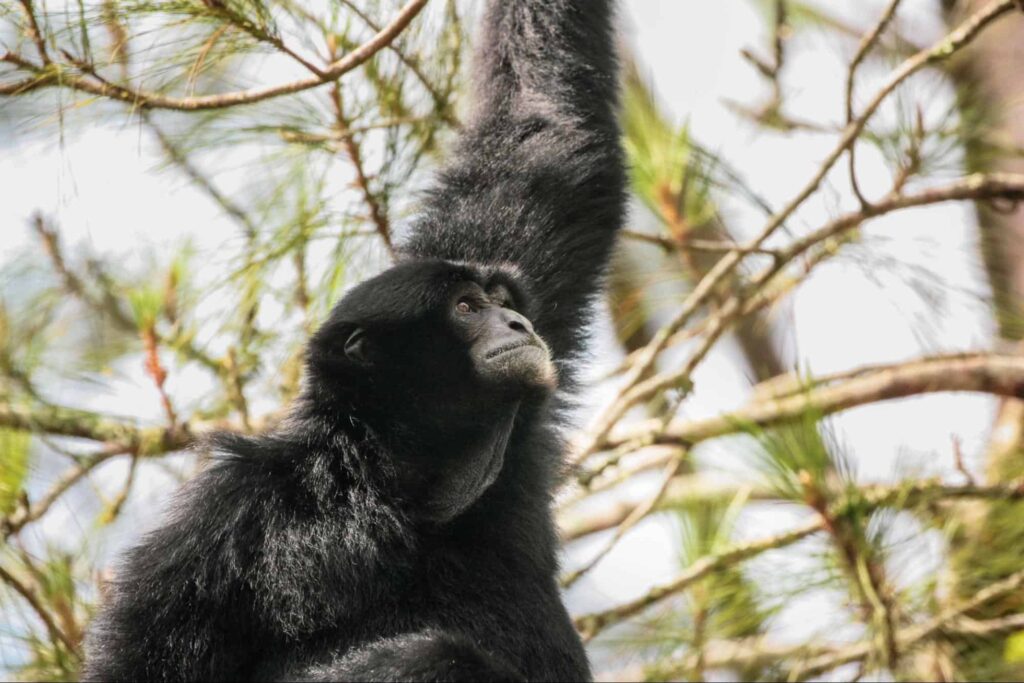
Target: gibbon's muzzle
(506, 331)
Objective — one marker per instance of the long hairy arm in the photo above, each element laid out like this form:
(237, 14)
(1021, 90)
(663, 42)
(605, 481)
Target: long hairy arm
(537, 178)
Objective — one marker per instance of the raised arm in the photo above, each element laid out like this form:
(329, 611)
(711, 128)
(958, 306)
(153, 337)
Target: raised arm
(537, 178)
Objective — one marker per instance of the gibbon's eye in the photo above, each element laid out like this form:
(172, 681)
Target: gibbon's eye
(465, 306)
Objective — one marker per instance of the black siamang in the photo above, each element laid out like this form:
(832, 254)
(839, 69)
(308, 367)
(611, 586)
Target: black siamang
(398, 525)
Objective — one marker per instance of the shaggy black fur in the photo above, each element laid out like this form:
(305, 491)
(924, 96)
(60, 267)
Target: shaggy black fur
(318, 551)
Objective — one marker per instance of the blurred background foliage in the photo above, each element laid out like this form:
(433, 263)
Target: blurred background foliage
(110, 366)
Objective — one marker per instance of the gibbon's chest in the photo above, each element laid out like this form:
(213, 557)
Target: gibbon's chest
(506, 609)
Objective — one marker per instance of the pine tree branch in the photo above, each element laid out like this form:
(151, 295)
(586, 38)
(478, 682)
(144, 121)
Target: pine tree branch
(71, 77)
(32, 598)
(30, 512)
(589, 625)
(689, 489)
(903, 496)
(701, 293)
(975, 187)
(866, 43)
(759, 652)
(442, 107)
(1000, 375)
(108, 302)
(352, 149)
(121, 436)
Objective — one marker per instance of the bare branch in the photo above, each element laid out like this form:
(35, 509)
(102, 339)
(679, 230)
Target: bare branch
(977, 186)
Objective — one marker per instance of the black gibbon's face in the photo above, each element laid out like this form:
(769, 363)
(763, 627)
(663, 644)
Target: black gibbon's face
(501, 343)
(432, 336)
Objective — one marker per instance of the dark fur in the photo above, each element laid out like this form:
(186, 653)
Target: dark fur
(304, 553)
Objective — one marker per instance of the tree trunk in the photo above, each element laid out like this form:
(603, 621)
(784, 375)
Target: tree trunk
(990, 82)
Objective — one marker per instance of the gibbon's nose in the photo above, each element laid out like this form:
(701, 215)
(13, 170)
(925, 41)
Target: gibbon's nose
(516, 322)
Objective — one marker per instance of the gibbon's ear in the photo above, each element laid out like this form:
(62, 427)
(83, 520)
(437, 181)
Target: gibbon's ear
(357, 348)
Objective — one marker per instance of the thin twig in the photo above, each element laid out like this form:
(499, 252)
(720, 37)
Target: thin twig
(440, 104)
(631, 519)
(34, 34)
(958, 460)
(116, 505)
(34, 601)
(180, 159)
(693, 244)
(354, 153)
(305, 138)
(27, 514)
(866, 43)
